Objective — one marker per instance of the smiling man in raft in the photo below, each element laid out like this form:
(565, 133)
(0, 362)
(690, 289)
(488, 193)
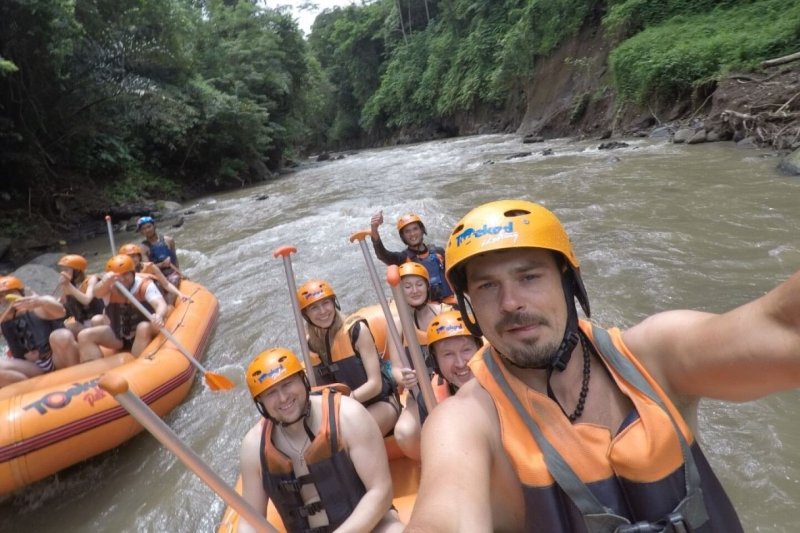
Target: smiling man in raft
(318, 456)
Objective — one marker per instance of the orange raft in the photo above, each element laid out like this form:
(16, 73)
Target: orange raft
(50, 422)
(405, 480)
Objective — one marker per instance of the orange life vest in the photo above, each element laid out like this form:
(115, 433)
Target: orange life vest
(651, 474)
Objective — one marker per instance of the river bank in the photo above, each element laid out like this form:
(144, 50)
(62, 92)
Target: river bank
(570, 99)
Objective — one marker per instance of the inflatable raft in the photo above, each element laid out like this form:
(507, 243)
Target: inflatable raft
(50, 422)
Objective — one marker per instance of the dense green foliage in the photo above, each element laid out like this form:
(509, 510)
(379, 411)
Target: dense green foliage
(670, 59)
(136, 96)
(120, 93)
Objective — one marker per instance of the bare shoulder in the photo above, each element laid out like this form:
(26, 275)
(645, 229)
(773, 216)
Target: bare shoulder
(352, 414)
(469, 413)
(252, 439)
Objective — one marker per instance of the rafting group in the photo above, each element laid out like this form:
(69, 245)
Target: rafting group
(545, 420)
(521, 413)
(94, 314)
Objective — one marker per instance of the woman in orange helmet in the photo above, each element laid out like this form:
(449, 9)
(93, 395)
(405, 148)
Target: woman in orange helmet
(344, 352)
(77, 294)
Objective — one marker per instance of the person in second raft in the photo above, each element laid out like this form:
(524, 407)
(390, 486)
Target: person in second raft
(344, 352)
(160, 249)
(412, 233)
(317, 456)
(128, 328)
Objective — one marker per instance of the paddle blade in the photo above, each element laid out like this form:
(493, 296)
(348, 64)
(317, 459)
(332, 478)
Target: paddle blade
(217, 382)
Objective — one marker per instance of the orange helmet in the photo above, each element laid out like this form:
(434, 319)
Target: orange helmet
(120, 264)
(412, 268)
(73, 261)
(269, 368)
(405, 220)
(11, 283)
(130, 249)
(314, 291)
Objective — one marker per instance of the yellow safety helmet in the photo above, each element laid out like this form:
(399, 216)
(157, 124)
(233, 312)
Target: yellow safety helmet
(269, 368)
(412, 268)
(446, 325)
(504, 225)
(130, 249)
(73, 261)
(120, 264)
(314, 291)
(11, 283)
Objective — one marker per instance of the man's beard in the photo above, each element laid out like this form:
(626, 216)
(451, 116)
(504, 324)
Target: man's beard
(531, 354)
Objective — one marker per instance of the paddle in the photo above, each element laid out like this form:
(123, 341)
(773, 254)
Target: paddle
(407, 321)
(111, 235)
(284, 252)
(214, 381)
(118, 387)
(360, 236)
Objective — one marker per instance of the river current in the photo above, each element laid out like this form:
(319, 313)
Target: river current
(655, 225)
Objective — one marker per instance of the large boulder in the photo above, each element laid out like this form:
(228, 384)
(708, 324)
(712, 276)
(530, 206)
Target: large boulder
(791, 163)
(37, 278)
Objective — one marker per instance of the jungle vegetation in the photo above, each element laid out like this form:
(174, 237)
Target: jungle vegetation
(145, 98)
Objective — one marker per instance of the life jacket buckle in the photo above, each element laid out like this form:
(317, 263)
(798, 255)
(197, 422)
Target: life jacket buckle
(310, 509)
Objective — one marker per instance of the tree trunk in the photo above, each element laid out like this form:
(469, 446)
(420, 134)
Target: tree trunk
(781, 60)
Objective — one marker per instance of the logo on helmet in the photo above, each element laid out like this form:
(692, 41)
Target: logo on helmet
(313, 294)
(272, 374)
(450, 327)
(497, 232)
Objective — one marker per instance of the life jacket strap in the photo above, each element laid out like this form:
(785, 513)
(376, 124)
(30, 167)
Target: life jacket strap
(294, 485)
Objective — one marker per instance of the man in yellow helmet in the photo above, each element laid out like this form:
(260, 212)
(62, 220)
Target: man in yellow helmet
(319, 457)
(412, 232)
(598, 427)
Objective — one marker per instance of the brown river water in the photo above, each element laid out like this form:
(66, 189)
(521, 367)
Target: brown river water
(656, 226)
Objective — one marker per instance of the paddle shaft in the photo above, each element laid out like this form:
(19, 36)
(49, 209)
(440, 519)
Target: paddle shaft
(111, 235)
(164, 331)
(298, 318)
(397, 341)
(161, 431)
(407, 321)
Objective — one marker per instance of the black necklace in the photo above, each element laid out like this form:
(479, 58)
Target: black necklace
(587, 370)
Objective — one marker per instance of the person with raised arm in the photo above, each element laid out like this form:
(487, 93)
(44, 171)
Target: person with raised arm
(598, 426)
(412, 232)
(32, 327)
(317, 456)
